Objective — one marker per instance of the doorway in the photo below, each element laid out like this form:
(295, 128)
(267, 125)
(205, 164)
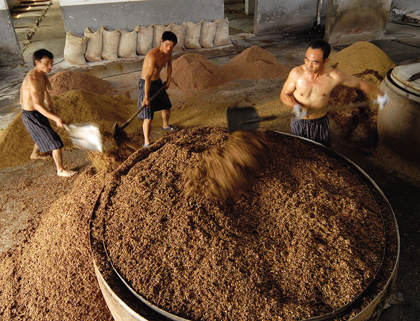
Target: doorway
(241, 15)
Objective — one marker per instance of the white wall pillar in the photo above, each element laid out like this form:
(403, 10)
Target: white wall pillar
(10, 52)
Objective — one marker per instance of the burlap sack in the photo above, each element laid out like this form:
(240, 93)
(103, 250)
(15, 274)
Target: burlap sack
(74, 49)
(128, 44)
(158, 30)
(144, 39)
(192, 34)
(179, 31)
(208, 33)
(222, 33)
(93, 45)
(110, 42)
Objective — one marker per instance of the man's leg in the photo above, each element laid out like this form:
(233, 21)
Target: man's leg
(166, 113)
(147, 127)
(58, 159)
(37, 155)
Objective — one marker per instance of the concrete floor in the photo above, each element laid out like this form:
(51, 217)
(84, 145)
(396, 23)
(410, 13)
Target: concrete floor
(401, 43)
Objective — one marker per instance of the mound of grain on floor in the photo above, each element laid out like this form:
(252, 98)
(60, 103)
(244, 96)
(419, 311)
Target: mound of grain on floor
(51, 276)
(73, 107)
(255, 63)
(195, 71)
(68, 80)
(306, 239)
(362, 56)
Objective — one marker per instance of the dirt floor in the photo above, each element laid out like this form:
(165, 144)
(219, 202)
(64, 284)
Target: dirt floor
(28, 191)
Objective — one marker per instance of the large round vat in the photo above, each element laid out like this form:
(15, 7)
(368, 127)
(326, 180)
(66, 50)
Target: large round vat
(399, 120)
(125, 304)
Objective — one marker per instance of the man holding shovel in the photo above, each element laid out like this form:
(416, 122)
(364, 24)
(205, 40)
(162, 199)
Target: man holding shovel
(150, 83)
(38, 108)
(308, 88)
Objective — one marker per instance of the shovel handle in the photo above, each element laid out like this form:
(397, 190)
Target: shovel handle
(142, 107)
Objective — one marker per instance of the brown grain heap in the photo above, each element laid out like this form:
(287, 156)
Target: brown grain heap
(67, 80)
(195, 71)
(304, 241)
(75, 106)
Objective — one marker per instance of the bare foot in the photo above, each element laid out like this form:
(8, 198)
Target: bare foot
(40, 156)
(66, 173)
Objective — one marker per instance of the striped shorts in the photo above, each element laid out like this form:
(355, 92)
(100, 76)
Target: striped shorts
(41, 132)
(314, 129)
(161, 101)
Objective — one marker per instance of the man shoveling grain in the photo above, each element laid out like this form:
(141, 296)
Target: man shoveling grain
(150, 83)
(308, 88)
(33, 98)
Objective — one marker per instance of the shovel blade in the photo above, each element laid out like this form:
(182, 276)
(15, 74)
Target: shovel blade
(238, 119)
(86, 136)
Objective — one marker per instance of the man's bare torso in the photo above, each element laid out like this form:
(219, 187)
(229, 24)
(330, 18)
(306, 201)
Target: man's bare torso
(313, 90)
(31, 82)
(156, 60)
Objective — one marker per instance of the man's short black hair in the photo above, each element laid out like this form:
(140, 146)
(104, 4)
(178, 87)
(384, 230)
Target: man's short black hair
(41, 53)
(169, 35)
(323, 45)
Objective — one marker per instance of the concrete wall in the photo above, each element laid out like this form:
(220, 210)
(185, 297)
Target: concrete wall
(351, 21)
(10, 52)
(401, 7)
(286, 16)
(128, 14)
(12, 3)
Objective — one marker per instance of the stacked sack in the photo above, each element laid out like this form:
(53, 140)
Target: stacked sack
(105, 44)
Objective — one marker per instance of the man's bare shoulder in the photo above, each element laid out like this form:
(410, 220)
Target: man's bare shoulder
(336, 74)
(296, 72)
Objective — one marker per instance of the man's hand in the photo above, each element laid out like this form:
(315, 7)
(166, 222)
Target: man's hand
(382, 100)
(145, 102)
(59, 122)
(298, 111)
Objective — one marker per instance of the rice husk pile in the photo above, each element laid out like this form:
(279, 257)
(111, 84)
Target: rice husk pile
(362, 56)
(255, 63)
(368, 62)
(75, 106)
(304, 241)
(196, 72)
(67, 80)
(51, 276)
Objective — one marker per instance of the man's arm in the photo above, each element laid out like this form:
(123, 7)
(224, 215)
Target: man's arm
(169, 72)
(39, 95)
(354, 82)
(289, 88)
(147, 74)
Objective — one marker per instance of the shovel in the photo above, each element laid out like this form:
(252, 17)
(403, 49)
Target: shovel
(116, 130)
(85, 136)
(246, 118)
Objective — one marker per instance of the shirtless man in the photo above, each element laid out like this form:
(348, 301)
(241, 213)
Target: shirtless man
(38, 107)
(308, 88)
(150, 83)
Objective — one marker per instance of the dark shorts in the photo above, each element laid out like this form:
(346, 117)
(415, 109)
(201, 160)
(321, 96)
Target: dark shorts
(41, 132)
(314, 129)
(161, 102)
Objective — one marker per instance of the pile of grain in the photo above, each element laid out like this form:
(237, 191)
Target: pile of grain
(362, 56)
(51, 276)
(368, 62)
(73, 107)
(68, 80)
(305, 240)
(195, 71)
